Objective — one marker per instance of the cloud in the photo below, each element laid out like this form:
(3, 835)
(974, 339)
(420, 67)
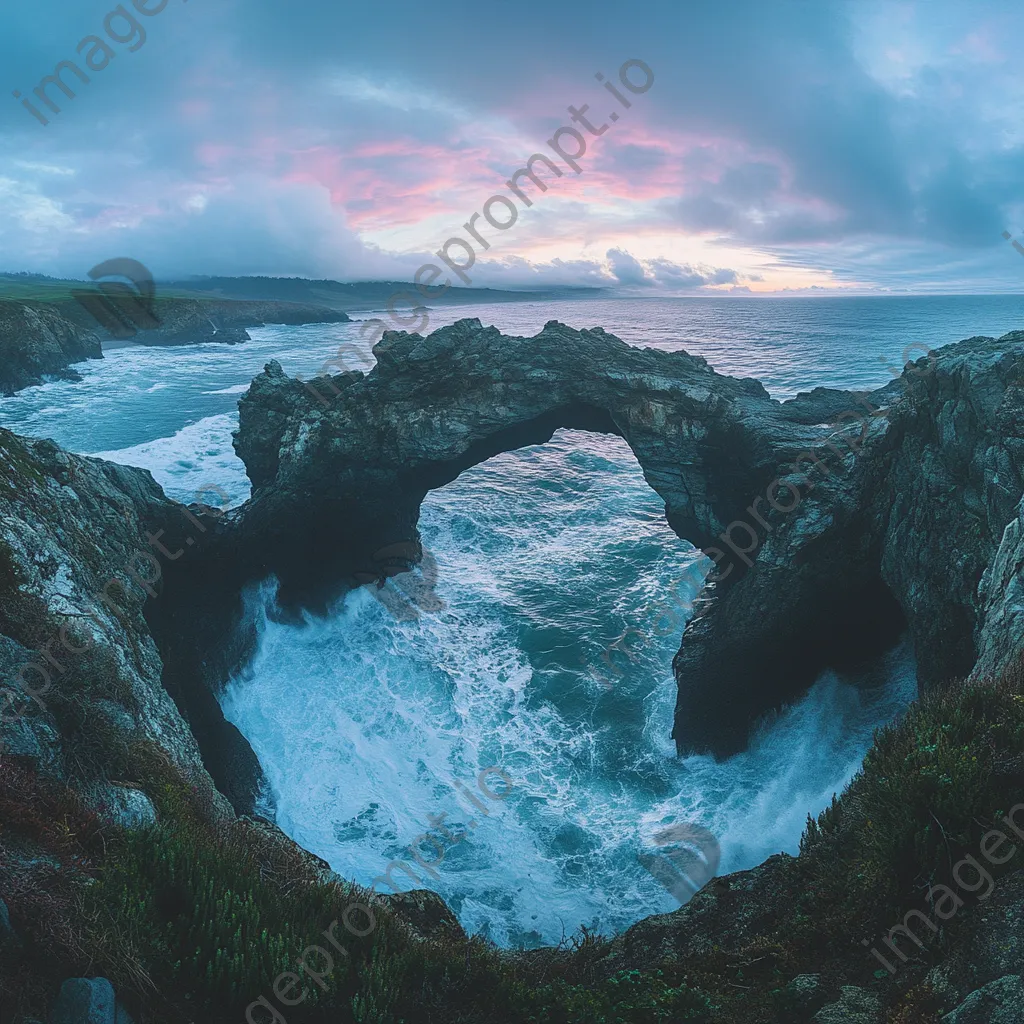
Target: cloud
(665, 275)
(870, 142)
(627, 270)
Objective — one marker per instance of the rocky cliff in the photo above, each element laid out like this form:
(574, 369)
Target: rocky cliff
(196, 321)
(36, 341)
(41, 339)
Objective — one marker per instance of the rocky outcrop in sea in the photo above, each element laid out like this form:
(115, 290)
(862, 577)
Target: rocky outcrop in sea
(834, 521)
(198, 321)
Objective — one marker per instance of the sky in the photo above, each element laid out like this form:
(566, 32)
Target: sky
(777, 147)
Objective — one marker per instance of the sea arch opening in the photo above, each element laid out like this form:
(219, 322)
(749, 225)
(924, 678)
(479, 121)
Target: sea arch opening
(375, 758)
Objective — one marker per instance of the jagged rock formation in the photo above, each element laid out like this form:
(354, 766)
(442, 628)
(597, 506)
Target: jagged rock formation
(912, 505)
(36, 340)
(80, 557)
(834, 520)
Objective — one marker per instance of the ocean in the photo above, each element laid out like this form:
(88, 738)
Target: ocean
(374, 728)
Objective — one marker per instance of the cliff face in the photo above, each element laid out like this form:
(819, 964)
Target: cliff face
(834, 521)
(896, 519)
(197, 321)
(83, 693)
(39, 339)
(36, 340)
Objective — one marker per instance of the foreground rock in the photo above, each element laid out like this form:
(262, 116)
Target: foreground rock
(999, 1002)
(80, 558)
(835, 520)
(88, 1001)
(38, 341)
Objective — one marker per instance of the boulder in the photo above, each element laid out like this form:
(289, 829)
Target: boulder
(854, 1006)
(426, 914)
(122, 806)
(804, 994)
(998, 1002)
(85, 1001)
(990, 946)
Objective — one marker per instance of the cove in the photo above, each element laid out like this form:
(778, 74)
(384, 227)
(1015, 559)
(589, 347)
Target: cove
(363, 724)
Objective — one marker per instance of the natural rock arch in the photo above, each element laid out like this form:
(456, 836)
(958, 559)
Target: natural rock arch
(339, 467)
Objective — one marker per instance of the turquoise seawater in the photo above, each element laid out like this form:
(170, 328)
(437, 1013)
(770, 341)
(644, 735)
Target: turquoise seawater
(374, 724)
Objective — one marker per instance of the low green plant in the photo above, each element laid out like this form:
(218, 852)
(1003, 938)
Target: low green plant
(202, 921)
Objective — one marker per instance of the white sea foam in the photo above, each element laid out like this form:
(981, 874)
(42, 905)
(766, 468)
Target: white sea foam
(363, 723)
(196, 460)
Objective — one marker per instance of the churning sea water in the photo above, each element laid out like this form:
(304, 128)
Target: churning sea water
(373, 727)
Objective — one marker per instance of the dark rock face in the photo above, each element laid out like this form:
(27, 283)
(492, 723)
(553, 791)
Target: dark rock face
(991, 949)
(83, 592)
(896, 520)
(350, 469)
(834, 520)
(36, 340)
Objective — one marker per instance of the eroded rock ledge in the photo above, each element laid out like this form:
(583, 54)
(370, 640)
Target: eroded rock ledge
(902, 496)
